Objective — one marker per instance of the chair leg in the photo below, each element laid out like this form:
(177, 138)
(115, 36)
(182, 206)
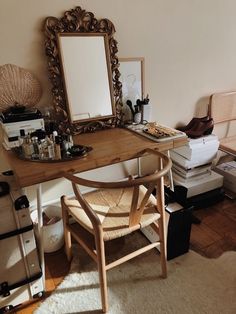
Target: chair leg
(67, 234)
(102, 273)
(162, 249)
(162, 225)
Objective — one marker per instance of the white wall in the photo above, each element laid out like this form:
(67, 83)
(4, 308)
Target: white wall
(189, 46)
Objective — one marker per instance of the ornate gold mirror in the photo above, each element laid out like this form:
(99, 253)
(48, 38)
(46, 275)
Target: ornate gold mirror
(83, 69)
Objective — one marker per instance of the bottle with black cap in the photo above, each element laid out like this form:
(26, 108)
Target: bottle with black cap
(57, 148)
(22, 137)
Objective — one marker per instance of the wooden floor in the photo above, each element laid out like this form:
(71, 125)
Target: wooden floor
(214, 235)
(217, 231)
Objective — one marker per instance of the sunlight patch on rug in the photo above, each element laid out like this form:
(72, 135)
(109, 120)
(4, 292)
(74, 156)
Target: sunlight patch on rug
(194, 285)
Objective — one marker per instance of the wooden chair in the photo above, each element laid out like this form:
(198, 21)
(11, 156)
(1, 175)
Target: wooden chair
(114, 210)
(222, 109)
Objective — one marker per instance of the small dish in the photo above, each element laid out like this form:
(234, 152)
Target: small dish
(78, 150)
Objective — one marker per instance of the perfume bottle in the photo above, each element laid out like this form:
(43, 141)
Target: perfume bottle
(57, 148)
(66, 144)
(34, 140)
(70, 141)
(43, 149)
(28, 147)
(50, 148)
(21, 138)
(54, 135)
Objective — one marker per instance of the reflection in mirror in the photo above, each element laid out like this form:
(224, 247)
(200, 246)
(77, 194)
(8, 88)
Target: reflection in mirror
(84, 50)
(87, 78)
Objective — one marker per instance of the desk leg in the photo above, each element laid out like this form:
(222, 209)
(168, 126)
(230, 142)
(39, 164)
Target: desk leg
(170, 175)
(40, 230)
(139, 166)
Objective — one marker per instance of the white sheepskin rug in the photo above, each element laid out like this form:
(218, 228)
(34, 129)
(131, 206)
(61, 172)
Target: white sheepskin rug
(195, 284)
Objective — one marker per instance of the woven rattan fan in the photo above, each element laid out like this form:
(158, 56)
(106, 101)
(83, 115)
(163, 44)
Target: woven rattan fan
(18, 87)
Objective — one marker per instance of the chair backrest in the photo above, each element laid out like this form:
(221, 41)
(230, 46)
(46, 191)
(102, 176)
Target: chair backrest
(136, 207)
(222, 107)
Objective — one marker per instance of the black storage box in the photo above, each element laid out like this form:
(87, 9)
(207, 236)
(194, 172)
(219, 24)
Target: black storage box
(179, 230)
(179, 222)
(198, 201)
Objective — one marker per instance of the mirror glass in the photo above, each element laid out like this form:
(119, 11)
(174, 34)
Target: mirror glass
(87, 75)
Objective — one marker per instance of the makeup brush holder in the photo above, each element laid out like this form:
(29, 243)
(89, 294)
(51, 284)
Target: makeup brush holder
(137, 117)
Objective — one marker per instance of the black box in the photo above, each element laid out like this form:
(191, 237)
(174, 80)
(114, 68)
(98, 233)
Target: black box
(178, 224)
(179, 230)
(198, 201)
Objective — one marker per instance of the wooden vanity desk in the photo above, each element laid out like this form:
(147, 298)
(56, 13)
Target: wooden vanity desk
(110, 146)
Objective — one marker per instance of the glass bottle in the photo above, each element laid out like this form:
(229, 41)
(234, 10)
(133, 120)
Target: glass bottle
(50, 147)
(21, 138)
(57, 148)
(70, 141)
(43, 149)
(34, 140)
(28, 147)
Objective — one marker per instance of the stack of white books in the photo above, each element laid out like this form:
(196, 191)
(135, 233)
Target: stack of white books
(196, 152)
(192, 165)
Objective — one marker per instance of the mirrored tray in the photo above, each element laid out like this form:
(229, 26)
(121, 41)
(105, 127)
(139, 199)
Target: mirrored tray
(76, 152)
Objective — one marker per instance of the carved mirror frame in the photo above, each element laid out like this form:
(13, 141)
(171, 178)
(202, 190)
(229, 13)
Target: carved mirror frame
(79, 21)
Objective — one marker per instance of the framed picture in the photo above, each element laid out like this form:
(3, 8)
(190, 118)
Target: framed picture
(132, 78)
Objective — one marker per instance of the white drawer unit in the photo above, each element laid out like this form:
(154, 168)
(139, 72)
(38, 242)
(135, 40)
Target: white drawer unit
(20, 271)
(12, 129)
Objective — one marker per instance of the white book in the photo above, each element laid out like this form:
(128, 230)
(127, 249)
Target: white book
(207, 145)
(178, 178)
(188, 164)
(202, 140)
(193, 154)
(189, 173)
(205, 184)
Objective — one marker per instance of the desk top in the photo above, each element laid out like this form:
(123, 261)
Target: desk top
(109, 147)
